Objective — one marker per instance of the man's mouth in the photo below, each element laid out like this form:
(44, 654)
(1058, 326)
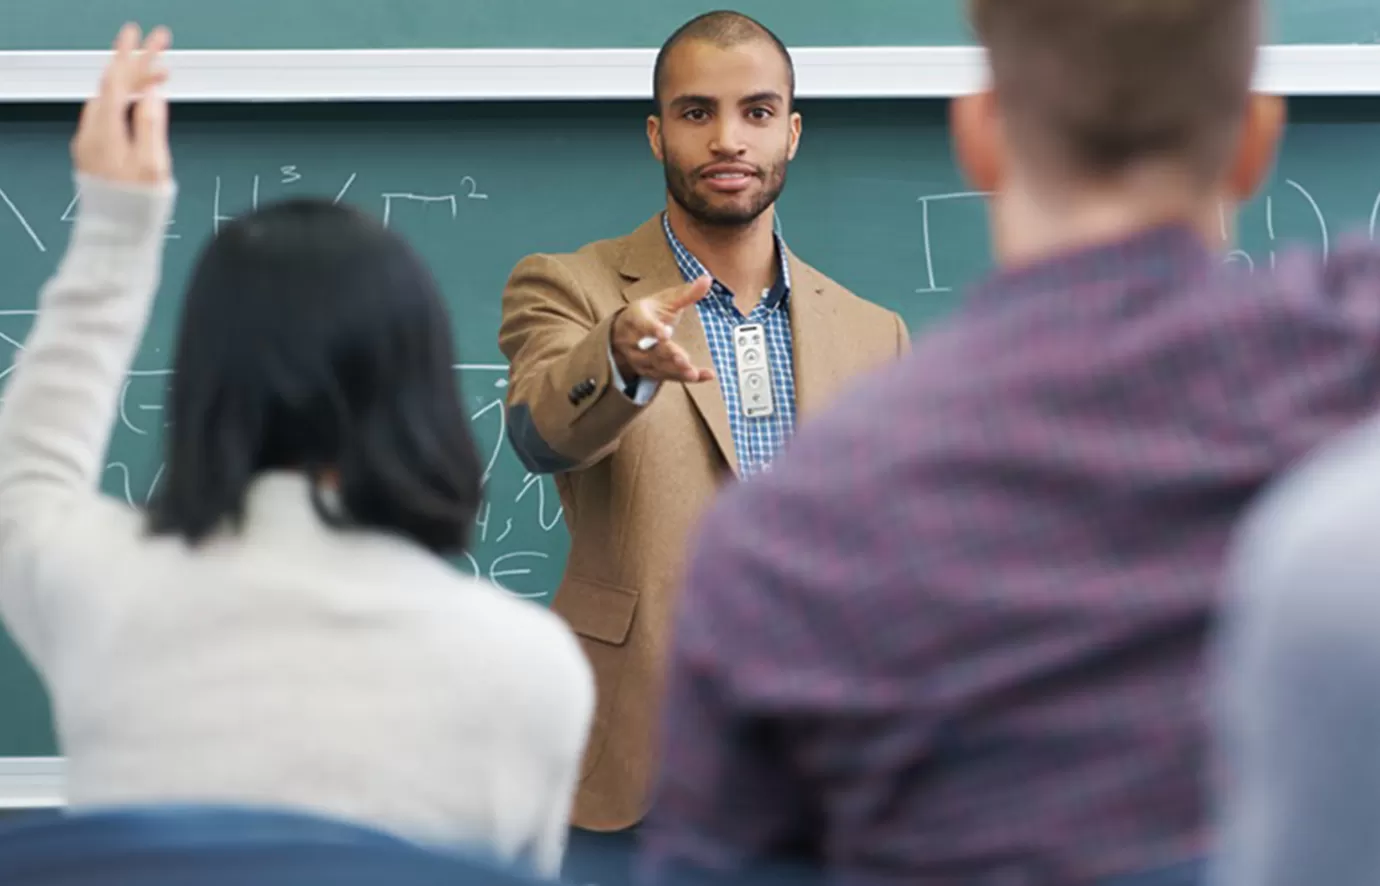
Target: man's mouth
(729, 178)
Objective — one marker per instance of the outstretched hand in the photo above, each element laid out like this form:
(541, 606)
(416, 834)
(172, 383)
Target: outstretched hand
(113, 144)
(642, 345)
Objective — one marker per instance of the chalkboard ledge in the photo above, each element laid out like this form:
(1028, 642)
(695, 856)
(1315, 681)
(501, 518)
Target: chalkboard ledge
(842, 72)
(30, 782)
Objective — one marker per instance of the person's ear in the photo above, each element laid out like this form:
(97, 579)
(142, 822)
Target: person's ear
(979, 140)
(1262, 127)
(794, 146)
(654, 136)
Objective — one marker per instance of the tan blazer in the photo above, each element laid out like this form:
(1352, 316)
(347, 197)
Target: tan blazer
(633, 480)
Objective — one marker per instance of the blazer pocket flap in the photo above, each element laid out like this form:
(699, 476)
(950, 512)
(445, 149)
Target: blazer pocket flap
(597, 610)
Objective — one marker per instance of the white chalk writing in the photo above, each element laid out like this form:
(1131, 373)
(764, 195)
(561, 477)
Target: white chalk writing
(931, 284)
(28, 228)
(349, 181)
(418, 198)
(945, 244)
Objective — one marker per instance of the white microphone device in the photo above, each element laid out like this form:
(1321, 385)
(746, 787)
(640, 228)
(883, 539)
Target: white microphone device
(754, 370)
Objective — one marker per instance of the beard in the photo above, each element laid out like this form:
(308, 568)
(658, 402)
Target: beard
(680, 184)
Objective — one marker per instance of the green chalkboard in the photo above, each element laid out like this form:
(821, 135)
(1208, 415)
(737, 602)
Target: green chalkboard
(873, 200)
(415, 24)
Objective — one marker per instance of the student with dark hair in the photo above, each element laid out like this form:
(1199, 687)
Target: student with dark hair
(313, 340)
(280, 629)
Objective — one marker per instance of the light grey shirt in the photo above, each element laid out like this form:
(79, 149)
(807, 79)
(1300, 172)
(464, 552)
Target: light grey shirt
(1297, 704)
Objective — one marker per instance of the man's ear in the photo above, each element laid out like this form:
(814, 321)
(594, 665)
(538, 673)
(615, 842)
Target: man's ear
(975, 126)
(654, 136)
(1261, 130)
(794, 146)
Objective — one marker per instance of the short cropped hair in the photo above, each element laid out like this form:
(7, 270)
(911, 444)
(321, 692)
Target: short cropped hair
(1103, 84)
(314, 340)
(722, 28)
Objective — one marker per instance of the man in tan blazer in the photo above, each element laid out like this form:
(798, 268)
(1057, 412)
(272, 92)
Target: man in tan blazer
(648, 369)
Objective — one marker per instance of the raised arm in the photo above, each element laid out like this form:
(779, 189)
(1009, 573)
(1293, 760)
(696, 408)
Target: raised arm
(61, 399)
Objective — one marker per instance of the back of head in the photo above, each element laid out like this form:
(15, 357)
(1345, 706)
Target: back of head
(1092, 87)
(314, 340)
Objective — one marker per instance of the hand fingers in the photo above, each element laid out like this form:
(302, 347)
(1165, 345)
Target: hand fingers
(644, 341)
(148, 62)
(155, 79)
(149, 72)
(151, 136)
(117, 84)
(89, 111)
(682, 297)
(642, 323)
(649, 321)
(132, 71)
(146, 70)
(94, 111)
(669, 361)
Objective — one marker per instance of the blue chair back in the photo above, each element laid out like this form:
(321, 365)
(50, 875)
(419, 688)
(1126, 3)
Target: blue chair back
(220, 846)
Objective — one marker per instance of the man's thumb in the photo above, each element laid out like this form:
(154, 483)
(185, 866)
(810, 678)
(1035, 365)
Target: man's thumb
(684, 296)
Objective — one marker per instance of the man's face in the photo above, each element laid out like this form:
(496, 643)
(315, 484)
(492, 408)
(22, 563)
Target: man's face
(726, 131)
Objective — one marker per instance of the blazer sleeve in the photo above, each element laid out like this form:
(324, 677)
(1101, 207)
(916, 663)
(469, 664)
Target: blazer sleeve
(565, 411)
(902, 337)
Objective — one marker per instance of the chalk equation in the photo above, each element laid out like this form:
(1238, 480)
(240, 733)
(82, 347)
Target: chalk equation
(518, 541)
(386, 203)
(962, 214)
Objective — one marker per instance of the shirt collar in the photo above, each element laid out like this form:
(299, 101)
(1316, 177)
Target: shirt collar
(691, 268)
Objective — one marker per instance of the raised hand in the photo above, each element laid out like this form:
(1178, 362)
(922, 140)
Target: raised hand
(113, 144)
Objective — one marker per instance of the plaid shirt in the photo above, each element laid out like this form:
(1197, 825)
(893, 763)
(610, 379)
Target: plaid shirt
(757, 440)
(956, 636)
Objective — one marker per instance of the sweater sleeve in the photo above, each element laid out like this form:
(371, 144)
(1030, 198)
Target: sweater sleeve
(63, 393)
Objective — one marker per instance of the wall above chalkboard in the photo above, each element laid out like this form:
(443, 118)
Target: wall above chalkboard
(410, 50)
(564, 24)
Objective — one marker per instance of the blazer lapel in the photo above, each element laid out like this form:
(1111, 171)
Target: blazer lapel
(815, 338)
(650, 267)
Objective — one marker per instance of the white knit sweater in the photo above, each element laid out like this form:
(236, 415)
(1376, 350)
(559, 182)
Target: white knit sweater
(355, 675)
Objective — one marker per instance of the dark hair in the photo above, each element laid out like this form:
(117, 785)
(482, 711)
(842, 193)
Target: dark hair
(313, 339)
(1097, 86)
(723, 28)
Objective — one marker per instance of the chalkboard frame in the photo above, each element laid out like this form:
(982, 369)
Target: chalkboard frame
(835, 72)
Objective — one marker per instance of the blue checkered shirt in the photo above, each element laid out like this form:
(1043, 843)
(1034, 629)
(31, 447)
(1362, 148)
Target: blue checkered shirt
(757, 440)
